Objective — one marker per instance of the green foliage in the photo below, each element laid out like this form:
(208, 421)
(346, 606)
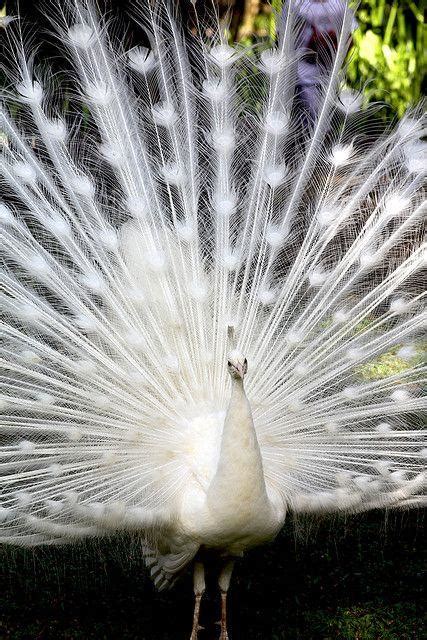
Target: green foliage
(389, 364)
(387, 57)
(396, 622)
(388, 53)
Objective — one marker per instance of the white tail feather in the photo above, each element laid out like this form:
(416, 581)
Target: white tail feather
(182, 213)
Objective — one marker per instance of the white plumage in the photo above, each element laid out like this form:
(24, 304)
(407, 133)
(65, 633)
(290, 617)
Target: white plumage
(197, 216)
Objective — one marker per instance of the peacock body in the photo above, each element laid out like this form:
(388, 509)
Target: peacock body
(199, 214)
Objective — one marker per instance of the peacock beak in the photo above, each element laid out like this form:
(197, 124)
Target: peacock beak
(240, 370)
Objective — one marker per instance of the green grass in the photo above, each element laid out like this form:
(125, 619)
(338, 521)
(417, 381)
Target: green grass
(358, 579)
(369, 622)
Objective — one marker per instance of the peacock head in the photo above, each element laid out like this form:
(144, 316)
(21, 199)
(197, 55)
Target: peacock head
(237, 365)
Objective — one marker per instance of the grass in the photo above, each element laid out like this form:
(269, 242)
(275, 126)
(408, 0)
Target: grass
(368, 623)
(359, 579)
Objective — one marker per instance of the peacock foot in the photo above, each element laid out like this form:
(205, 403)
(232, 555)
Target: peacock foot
(195, 632)
(223, 635)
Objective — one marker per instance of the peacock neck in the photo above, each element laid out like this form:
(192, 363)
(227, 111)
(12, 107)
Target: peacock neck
(239, 479)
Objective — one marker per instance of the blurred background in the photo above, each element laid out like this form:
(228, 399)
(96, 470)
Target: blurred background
(387, 58)
(389, 45)
(358, 578)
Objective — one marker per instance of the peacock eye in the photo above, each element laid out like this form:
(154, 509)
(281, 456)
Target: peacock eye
(229, 363)
(246, 361)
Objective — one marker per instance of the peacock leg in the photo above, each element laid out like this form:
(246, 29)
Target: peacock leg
(199, 588)
(224, 583)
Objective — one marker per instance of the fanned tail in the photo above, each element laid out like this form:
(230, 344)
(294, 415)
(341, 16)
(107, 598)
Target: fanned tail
(197, 195)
